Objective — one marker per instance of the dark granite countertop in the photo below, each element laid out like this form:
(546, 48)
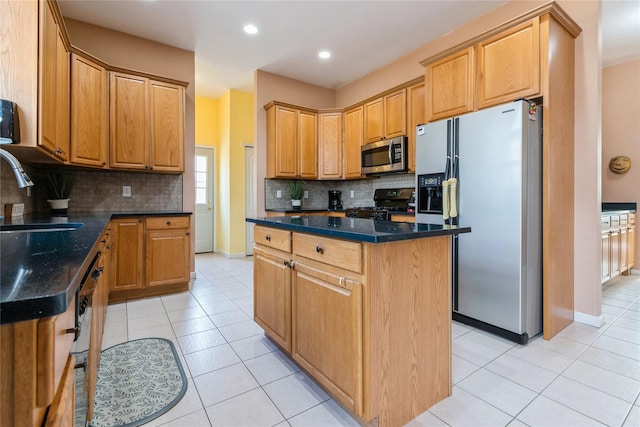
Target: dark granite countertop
(308, 210)
(358, 229)
(41, 271)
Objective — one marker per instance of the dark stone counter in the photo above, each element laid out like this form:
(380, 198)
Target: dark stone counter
(40, 271)
(359, 229)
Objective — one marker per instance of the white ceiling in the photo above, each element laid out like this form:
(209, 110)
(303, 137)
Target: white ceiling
(362, 35)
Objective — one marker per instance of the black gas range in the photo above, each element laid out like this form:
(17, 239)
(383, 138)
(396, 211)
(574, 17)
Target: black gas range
(387, 201)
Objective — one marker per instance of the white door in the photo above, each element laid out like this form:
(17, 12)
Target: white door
(250, 197)
(204, 199)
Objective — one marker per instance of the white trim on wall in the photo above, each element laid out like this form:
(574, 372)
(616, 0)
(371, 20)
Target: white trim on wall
(588, 319)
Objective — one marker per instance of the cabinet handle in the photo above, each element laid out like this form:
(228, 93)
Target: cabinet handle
(187, 233)
(82, 365)
(319, 250)
(287, 263)
(168, 222)
(104, 163)
(268, 237)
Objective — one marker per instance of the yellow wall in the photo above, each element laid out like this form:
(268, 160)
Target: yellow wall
(227, 123)
(207, 121)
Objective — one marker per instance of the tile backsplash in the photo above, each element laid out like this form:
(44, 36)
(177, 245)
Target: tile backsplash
(100, 191)
(319, 191)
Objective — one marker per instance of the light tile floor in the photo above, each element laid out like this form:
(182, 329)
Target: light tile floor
(585, 376)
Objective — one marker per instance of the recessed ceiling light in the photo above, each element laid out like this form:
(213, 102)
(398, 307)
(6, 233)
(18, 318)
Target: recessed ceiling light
(250, 29)
(324, 54)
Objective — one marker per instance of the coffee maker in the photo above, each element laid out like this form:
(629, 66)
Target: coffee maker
(334, 200)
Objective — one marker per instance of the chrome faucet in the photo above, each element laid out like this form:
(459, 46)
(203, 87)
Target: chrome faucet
(21, 176)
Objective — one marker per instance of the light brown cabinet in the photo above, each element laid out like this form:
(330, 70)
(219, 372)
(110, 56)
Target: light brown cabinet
(449, 84)
(54, 86)
(292, 142)
(89, 113)
(618, 244)
(62, 410)
(166, 251)
(385, 117)
(150, 256)
(330, 145)
(146, 123)
(329, 347)
(508, 65)
(498, 69)
(353, 139)
(35, 365)
(127, 254)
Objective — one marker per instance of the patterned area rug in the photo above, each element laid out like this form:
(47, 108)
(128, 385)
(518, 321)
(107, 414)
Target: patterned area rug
(138, 381)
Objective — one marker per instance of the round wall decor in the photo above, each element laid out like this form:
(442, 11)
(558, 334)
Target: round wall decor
(620, 164)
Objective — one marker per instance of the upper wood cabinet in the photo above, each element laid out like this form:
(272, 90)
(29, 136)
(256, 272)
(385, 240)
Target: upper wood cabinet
(449, 84)
(508, 66)
(499, 69)
(89, 113)
(54, 86)
(330, 145)
(415, 116)
(353, 138)
(385, 117)
(292, 142)
(146, 124)
(129, 129)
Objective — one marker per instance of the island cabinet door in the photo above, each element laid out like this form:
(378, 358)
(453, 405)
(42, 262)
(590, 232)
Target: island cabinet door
(327, 332)
(272, 295)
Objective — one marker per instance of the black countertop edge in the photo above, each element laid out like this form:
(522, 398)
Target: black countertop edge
(618, 206)
(359, 229)
(41, 271)
(305, 210)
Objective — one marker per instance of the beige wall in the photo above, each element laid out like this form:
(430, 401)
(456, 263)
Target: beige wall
(127, 51)
(620, 133)
(587, 128)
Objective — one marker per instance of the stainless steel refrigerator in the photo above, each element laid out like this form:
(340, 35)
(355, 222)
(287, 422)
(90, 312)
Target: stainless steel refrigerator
(494, 156)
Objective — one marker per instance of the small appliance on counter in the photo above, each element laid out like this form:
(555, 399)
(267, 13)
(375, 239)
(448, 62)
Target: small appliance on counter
(335, 202)
(386, 200)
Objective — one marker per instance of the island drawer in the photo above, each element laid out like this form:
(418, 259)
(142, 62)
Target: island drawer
(273, 238)
(339, 253)
(166, 223)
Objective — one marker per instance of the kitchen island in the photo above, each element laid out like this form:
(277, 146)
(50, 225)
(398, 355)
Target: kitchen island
(363, 306)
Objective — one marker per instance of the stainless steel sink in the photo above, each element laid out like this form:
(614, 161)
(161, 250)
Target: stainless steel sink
(39, 227)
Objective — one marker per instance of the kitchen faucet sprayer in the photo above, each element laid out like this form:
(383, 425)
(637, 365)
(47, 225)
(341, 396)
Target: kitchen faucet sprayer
(21, 176)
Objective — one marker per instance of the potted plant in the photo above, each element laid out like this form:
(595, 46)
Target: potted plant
(296, 190)
(57, 184)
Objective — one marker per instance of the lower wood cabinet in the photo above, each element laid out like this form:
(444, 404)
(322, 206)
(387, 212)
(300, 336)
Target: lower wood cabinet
(618, 244)
(327, 331)
(62, 410)
(150, 256)
(35, 366)
(272, 294)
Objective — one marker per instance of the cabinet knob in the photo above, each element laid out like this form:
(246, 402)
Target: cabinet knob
(268, 238)
(104, 163)
(287, 263)
(187, 233)
(319, 250)
(168, 222)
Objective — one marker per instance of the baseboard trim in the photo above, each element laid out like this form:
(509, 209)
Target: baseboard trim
(193, 275)
(588, 319)
(230, 255)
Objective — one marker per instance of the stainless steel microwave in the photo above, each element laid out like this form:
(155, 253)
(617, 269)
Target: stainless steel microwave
(388, 155)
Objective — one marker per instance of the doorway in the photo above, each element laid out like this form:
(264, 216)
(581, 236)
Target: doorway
(250, 197)
(204, 210)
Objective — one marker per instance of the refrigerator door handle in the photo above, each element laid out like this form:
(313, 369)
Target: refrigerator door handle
(447, 164)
